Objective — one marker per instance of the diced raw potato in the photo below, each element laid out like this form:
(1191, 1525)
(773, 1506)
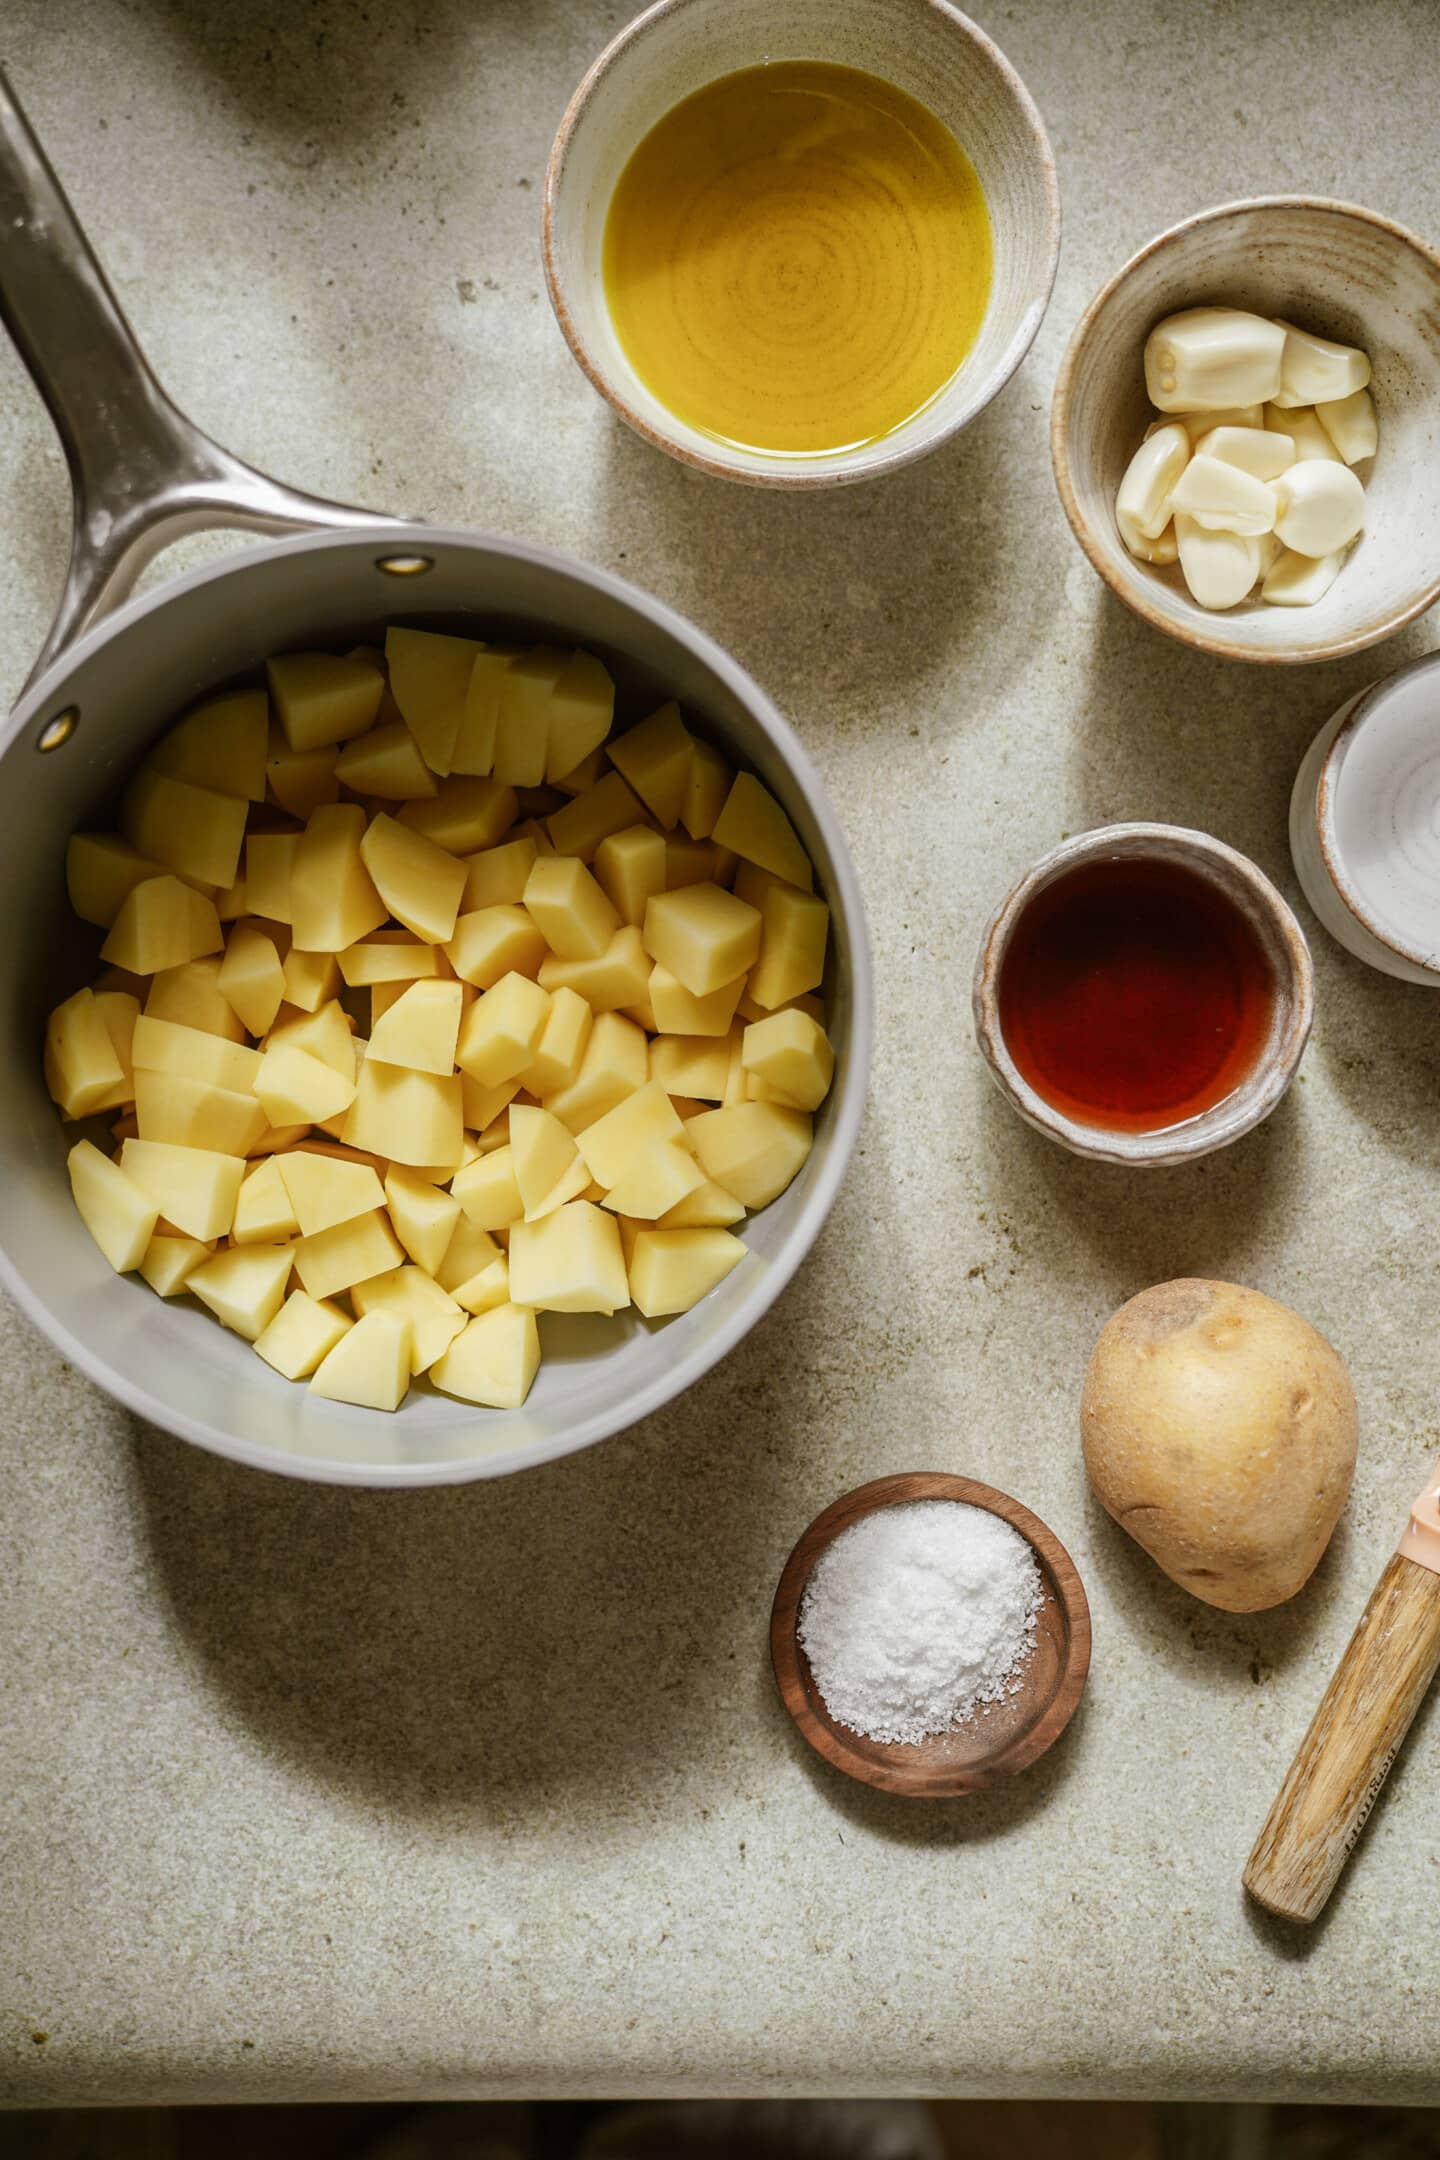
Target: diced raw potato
(1262, 452)
(791, 1053)
(1314, 369)
(197, 1114)
(618, 979)
(693, 862)
(298, 1089)
(522, 724)
(561, 1047)
(100, 869)
(693, 1065)
(269, 861)
(487, 1191)
(470, 1250)
(192, 830)
(656, 1179)
(347, 1253)
(587, 819)
(794, 929)
(162, 923)
(464, 815)
(1223, 498)
(245, 1286)
(119, 1010)
(569, 908)
(422, 1215)
(193, 1188)
(708, 1207)
(501, 1031)
(408, 1292)
(582, 706)
(117, 1210)
(570, 1261)
(1300, 580)
(390, 956)
(321, 698)
(387, 763)
(322, 1190)
(671, 1270)
(369, 1366)
(1142, 505)
(421, 1028)
(82, 1066)
(496, 876)
(612, 1142)
(483, 1106)
(631, 869)
(493, 942)
(251, 978)
(325, 1033)
(409, 1117)
(300, 780)
(191, 994)
(703, 936)
(1212, 356)
(420, 883)
(312, 979)
(655, 758)
(333, 901)
(615, 1064)
(1319, 507)
(1303, 427)
(1220, 568)
(677, 1011)
(753, 1149)
(752, 824)
(429, 681)
(473, 750)
(220, 744)
(748, 1010)
(488, 1287)
(169, 1262)
(230, 901)
(584, 775)
(303, 1332)
(1350, 424)
(494, 1361)
(1163, 550)
(166, 1046)
(545, 1162)
(263, 1213)
(705, 790)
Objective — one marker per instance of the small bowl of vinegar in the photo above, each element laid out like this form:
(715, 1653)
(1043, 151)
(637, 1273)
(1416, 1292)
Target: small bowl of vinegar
(800, 246)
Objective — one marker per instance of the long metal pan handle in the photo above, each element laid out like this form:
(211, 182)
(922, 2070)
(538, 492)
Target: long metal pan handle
(141, 472)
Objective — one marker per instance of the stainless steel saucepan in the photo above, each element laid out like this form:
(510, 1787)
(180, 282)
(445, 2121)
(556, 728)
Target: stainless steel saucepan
(112, 675)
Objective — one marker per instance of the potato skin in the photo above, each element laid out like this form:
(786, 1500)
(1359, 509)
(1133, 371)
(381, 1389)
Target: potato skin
(1219, 1430)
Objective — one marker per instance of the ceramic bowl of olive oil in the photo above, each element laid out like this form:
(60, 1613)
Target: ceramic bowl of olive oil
(800, 246)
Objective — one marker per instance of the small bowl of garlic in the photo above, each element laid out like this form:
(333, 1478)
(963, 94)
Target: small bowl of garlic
(1245, 427)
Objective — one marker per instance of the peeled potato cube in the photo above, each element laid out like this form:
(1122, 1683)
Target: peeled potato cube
(1143, 502)
(753, 1149)
(751, 823)
(671, 1270)
(347, 1253)
(487, 1190)
(656, 1179)
(493, 942)
(1300, 580)
(323, 1190)
(618, 979)
(791, 1053)
(252, 978)
(82, 1065)
(496, 877)
(545, 1162)
(582, 707)
(193, 1188)
(708, 1207)
(192, 830)
(570, 1261)
(162, 923)
(408, 1292)
(369, 1365)
(615, 1064)
(1223, 498)
(220, 744)
(117, 1210)
(706, 788)
(302, 1333)
(269, 861)
(168, 1262)
(387, 762)
(464, 815)
(100, 870)
(562, 1044)
(191, 994)
(794, 930)
(569, 908)
(295, 1088)
(263, 1214)
(1351, 425)
(421, 1028)
(393, 956)
(693, 1065)
(173, 1107)
(321, 698)
(581, 824)
(631, 867)
(469, 1251)
(1264, 453)
(612, 1142)
(422, 1215)
(417, 880)
(655, 758)
(702, 935)
(244, 1286)
(1315, 369)
(1212, 356)
(325, 1033)
(677, 1011)
(429, 681)
(300, 780)
(166, 1046)
(1319, 507)
(502, 1029)
(1219, 567)
(522, 719)
(493, 1361)
(488, 1287)
(333, 900)
(1160, 551)
(474, 746)
(405, 1116)
(1302, 425)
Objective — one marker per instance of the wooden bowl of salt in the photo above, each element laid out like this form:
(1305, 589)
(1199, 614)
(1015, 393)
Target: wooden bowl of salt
(899, 1578)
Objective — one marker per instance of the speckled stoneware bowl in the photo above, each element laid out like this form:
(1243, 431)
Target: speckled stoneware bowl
(923, 46)
(1335, 269)
(1281, 940)
(1365, 824)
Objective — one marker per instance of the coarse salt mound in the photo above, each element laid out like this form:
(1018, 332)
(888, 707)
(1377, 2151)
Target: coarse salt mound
(918, 1614)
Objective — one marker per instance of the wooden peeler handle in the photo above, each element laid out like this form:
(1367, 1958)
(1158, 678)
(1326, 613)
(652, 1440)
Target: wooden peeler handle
(1354, 1737)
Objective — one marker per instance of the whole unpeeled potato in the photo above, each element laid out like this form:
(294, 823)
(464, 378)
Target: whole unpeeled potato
(1219, 1431)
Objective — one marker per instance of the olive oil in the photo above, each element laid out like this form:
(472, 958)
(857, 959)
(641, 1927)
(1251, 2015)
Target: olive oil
(797, 258)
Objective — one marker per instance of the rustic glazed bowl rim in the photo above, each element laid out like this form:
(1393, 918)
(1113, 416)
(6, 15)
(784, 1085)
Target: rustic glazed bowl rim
(1362, 708)
(1130, 586)
(841, 469)
(832, 1741)
(1247, 1104)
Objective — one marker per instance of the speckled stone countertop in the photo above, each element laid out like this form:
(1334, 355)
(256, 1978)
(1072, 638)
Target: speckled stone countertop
(317, 1794)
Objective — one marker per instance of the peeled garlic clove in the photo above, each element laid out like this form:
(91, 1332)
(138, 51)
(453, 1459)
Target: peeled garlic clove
(1255, 450)
(1207, 358)
(1300, 580)
(1270, 552)
(1304, 430)
(1161, 550)
(1350, 424)
(1199, 423)
(1319, 507)
(1219, 567)
(1223, 498)
(1144, 497)
(1314, 371)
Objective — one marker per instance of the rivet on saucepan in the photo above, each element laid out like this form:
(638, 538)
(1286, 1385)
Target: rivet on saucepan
(59, 730)
(404, 565)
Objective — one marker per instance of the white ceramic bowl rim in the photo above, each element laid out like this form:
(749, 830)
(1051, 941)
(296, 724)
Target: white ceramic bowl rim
(838, 468)
(1367, 706)
(1132, 592)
